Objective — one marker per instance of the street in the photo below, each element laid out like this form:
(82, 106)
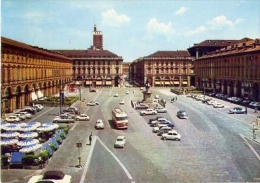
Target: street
(215, 146)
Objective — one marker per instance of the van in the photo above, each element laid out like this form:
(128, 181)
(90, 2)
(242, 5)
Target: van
(156, 97)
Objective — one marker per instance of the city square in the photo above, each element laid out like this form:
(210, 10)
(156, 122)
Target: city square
(78, 106)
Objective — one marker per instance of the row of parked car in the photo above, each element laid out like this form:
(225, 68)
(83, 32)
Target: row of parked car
(164, 128)
(216, 104)
(21, 114)
(237, 100)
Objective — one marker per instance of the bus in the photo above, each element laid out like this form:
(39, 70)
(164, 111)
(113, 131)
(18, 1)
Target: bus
(119, 118)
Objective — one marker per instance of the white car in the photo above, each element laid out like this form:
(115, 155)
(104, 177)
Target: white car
(26, 114)
(99, 124)
(171, 135)
(116, 95)
(120, 141)
(12, 119)
(51, 177)
(64, 118)
(148, 111)
(39, 106)
(218, 105)
(82, 117)
(19, 115)
(122, 102)
(160, 109)
(92, 103)
(127, 92)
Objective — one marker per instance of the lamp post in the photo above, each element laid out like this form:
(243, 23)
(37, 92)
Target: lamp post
(61, 97)
(79, 88)
(204, 81)
(246, 85)
(79, 145)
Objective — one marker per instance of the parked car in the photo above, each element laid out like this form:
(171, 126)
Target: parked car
(29, 110)
(127, 92)
(141, 106)
(164, 130)
(116, 95)
(157, 129)
(160, 109)
(122, 102)
(158, 118)
(120, 141)
(82, 117)
(63, 119)
(92, 103)
(148, 111)
(19, 115)
(182, 114)
(218, 105)
(38, 107)
(12, 118)
(71, 110)
(171, 135)
(26, 114)
(51, 177)
(237, 110)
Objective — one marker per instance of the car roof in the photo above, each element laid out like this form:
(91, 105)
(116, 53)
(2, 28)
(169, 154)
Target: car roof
(120, 137)
(57, 175)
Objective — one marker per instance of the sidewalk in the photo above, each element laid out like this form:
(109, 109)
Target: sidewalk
(66, 158)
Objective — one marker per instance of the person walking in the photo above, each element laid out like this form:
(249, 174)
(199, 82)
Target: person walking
(255, 110)
(90, 138)
(176, 98)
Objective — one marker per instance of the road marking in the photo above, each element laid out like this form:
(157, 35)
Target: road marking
(257, 155)
(88, 160)
(40, 115)
(118, 161)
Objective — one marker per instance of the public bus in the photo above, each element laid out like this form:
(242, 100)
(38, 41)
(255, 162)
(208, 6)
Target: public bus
(119, 118)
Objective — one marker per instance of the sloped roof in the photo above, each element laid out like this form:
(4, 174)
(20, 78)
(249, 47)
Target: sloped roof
(87, 53)
(35, 49)
(172, 54)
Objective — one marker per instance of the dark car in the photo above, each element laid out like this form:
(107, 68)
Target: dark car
(237, 110)
(29, 110)
(182, 114)
(71, 110)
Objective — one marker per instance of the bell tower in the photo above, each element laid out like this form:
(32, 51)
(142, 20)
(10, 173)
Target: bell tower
(97, 39)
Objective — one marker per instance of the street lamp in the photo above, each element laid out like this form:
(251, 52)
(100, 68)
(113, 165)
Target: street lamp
(79, 88)
(204, 81)
(246, 85)
(61, 96)
(79, 145)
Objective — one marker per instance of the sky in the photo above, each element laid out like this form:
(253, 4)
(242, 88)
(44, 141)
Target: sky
(131, 28)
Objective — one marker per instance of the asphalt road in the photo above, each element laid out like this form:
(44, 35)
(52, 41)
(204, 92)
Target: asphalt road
(215, 146)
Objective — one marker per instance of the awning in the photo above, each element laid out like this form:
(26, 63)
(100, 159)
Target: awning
(98, 82)
(184, 82)
(176, 82)
(166, 82)
(40, 94)
(157, 82)
(108, 82)
(34, 96)
(88, 82)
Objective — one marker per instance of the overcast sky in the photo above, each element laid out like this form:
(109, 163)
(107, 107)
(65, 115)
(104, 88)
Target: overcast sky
(131, 28)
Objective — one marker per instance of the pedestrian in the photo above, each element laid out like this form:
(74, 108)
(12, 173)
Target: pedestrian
(90, 138)
(255, 110)
(176, 98)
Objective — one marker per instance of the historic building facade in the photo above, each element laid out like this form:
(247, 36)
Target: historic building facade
(95, 67)
(164, 69)
(126, 66)
(29, 73)
(233, 70)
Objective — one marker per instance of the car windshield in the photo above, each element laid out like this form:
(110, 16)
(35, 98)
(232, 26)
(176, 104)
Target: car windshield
(119, 139)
